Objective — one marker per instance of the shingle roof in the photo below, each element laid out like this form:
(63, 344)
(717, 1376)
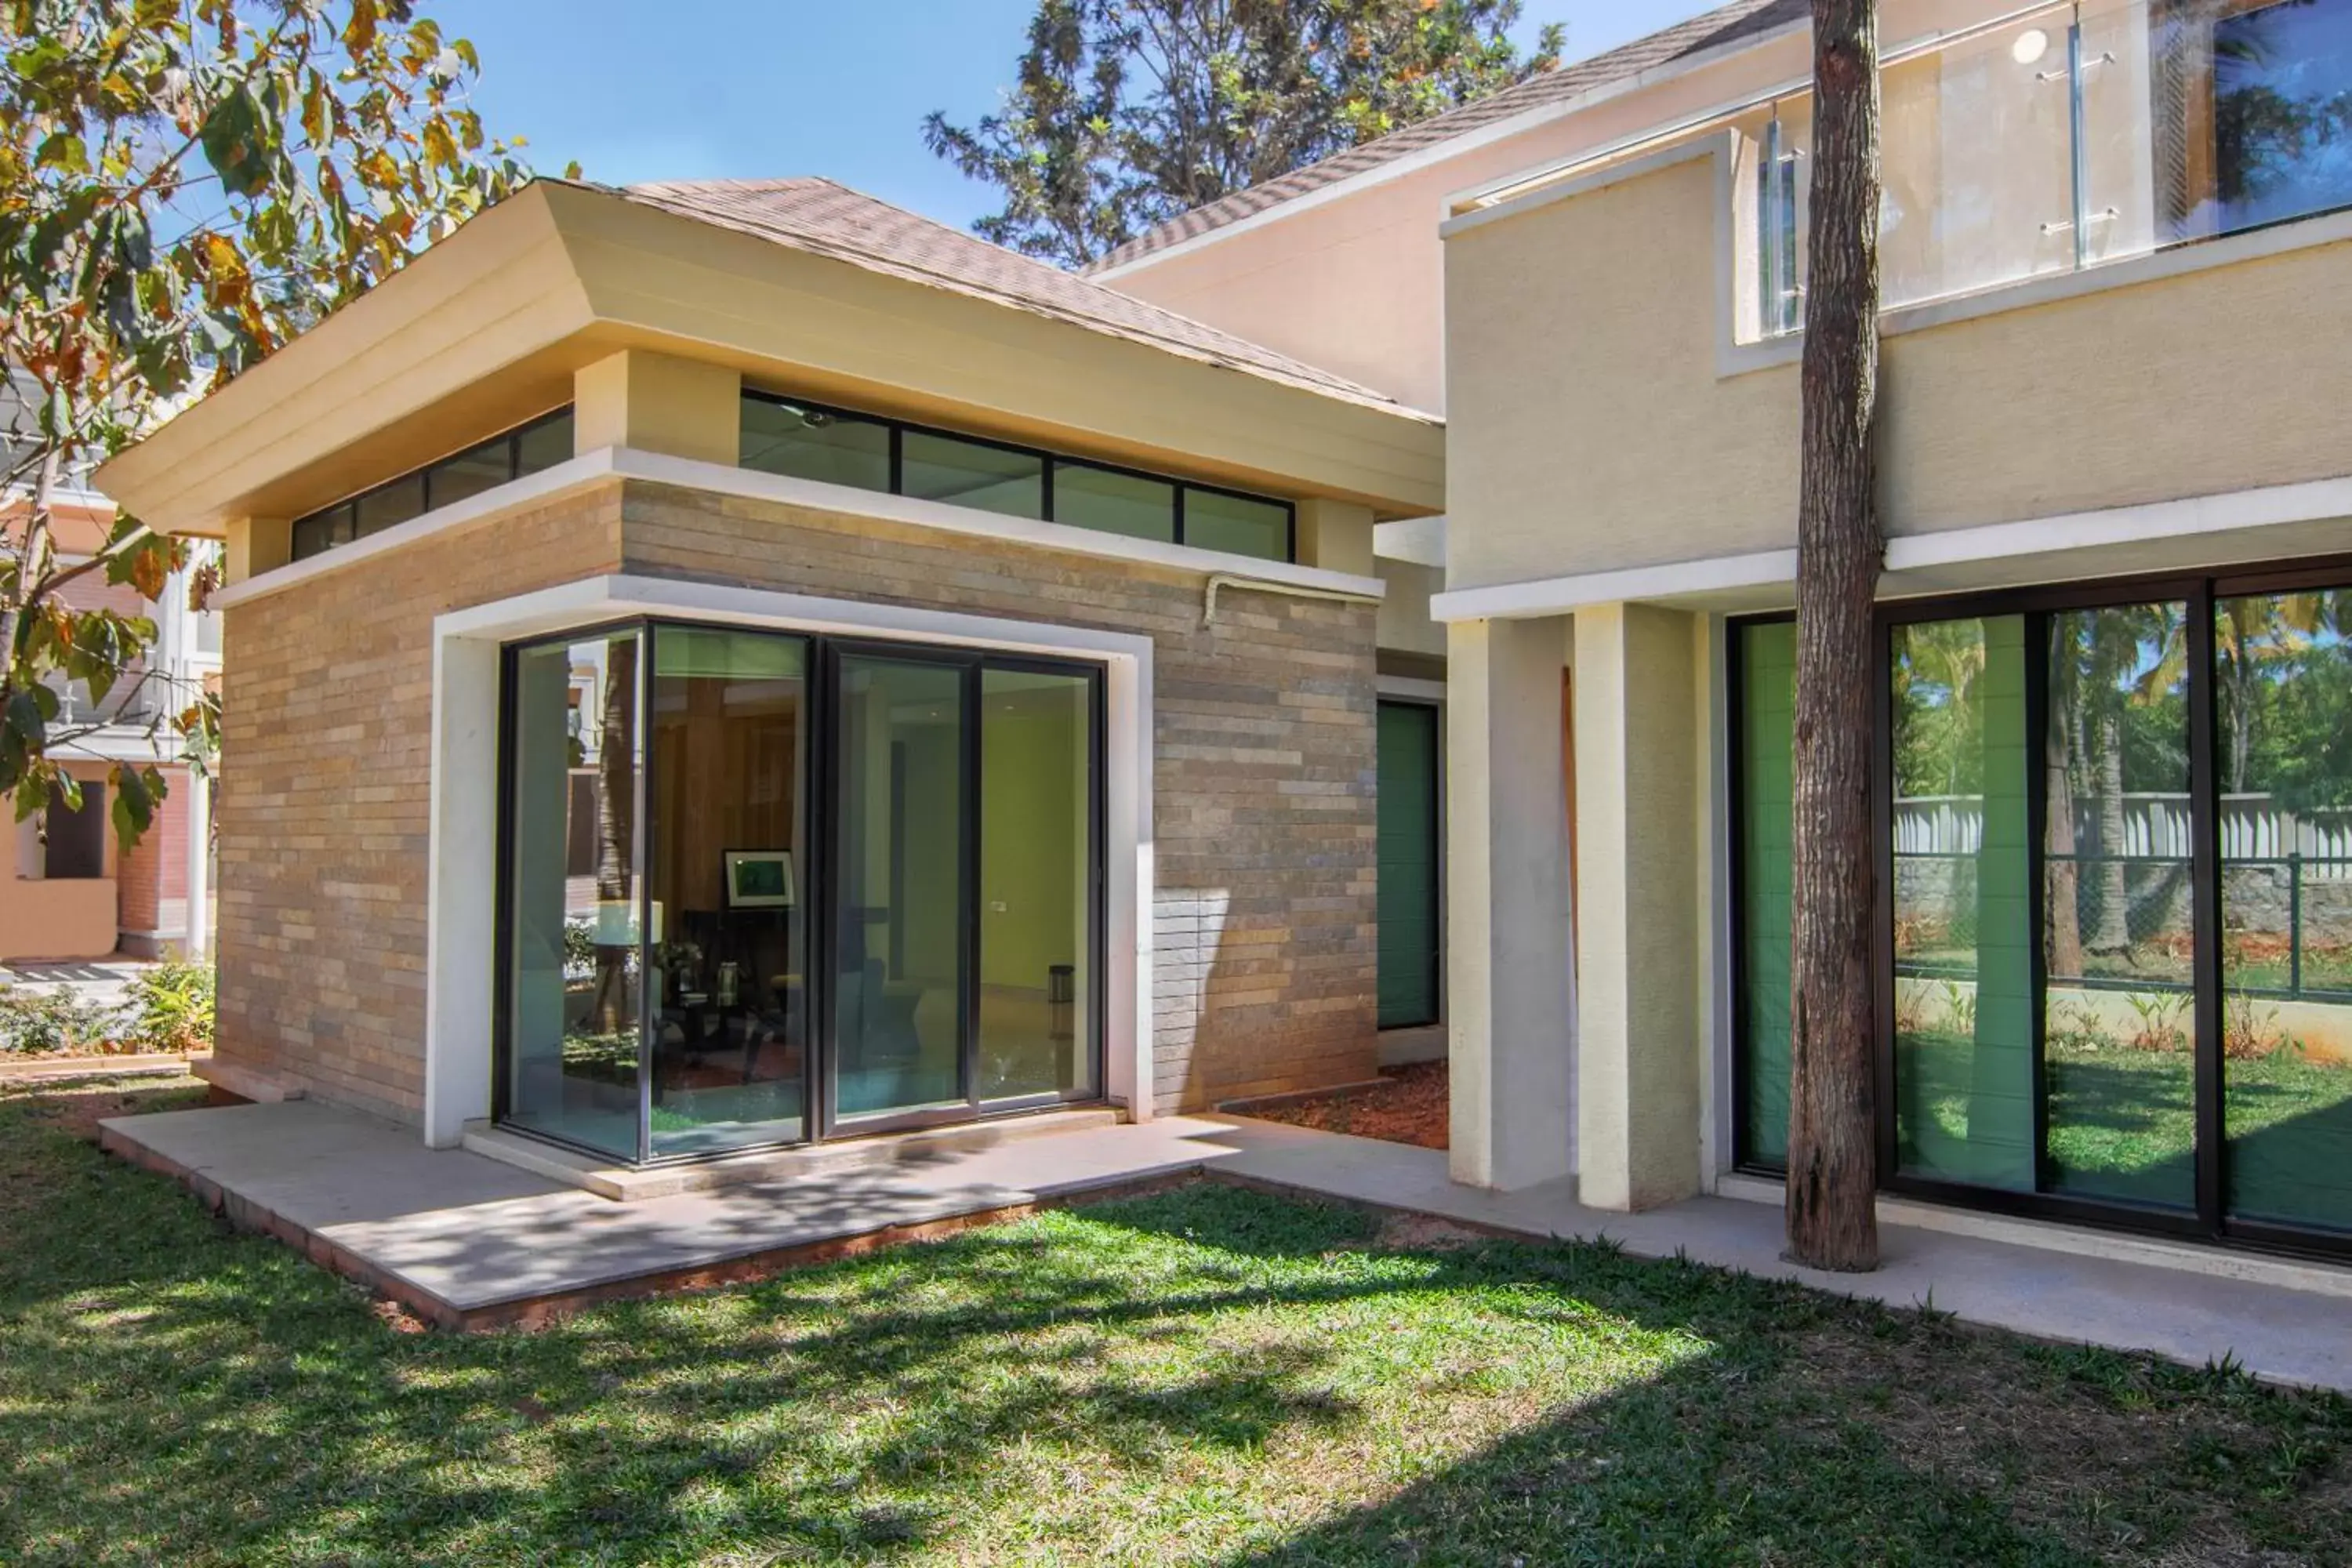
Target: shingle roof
(823, 218)
(1740, 21)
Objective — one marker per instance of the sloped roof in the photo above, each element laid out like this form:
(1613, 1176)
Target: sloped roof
(823, 218)
(1741, 21)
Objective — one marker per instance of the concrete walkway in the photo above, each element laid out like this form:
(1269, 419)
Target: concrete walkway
(471, 1242)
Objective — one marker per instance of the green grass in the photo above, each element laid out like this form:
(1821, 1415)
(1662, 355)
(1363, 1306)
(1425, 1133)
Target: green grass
(1206, 1376)
(2123, 1121)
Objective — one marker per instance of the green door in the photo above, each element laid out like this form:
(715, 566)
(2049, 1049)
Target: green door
(1409, 865)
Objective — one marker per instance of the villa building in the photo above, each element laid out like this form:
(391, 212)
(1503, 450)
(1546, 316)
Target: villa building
(720, 665)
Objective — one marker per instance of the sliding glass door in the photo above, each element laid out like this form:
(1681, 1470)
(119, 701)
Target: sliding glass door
(2116, 928)
(901, 904)
(760, 888)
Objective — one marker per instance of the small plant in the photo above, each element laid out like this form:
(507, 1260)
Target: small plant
(170, 1008)
(2159, 1014)
(2250, 1030)
(42, 1022)
(1959, 1007)
(2079, 1025)
(1910, 1008)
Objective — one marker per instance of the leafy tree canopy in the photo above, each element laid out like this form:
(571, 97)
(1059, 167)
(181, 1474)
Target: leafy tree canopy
(1128, 112)
(183, 185)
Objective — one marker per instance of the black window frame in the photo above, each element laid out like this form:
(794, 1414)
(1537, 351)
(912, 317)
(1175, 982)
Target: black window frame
(819, 1122)
(2200, 589)
(1050, 460)
(342, 519)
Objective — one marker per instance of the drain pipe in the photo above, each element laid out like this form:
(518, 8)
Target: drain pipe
(1260, 585)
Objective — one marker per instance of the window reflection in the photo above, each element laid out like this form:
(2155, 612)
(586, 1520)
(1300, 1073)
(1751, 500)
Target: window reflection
(2284, 705)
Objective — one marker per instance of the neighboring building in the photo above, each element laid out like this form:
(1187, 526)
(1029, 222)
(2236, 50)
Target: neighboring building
(734, 664)
(2114, 815)
(71, 891)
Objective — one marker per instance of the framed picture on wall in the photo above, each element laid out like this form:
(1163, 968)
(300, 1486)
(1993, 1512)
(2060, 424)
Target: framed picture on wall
(760, 879)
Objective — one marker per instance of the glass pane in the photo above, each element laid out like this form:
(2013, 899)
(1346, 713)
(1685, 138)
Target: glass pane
(1767, 711)
(813, 444)
(573, 1037)
(1410, 873)
(2252, 111)
(729, 748)
(541, 446)
(1776, 169)
(1036, 959)
(966, 473)
(2119, 145)
(1978, 149)
(1963, 964)
(1114, 503)
(899, 976)
(396, 503)
(2283, 688)
(2119, 912)
(1236, 525)
(322, 531)
(471, 472)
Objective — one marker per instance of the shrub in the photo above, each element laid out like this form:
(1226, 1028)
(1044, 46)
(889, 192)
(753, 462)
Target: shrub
(171, 1008)
(33, 1022)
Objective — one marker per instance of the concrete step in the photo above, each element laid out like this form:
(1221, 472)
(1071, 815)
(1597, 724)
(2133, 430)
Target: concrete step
(813, 1161)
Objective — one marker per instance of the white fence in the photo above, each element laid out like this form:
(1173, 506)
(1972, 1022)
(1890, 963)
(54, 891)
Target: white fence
(2155, 826)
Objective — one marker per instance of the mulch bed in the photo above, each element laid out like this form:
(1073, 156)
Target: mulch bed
(1407, 1106)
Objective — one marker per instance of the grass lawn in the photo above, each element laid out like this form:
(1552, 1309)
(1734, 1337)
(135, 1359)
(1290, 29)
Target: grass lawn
(1206, 1376)
(2123, 1122)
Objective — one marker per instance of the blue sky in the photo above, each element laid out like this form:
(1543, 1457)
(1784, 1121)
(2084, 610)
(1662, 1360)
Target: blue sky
(641, 90)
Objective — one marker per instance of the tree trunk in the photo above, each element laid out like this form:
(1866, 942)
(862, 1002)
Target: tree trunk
(616, 843)
(2062, 900)
(1833, 1132)
(2110, 937)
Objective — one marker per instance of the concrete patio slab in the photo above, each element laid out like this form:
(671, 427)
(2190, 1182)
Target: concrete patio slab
(468, 1241)
(472, 1242)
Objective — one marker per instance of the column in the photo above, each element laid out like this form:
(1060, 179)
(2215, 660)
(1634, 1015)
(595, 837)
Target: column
(1510, 988)
(1639, 1049)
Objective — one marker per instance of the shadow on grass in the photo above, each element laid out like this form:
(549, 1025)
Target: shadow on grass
(1206, 1375)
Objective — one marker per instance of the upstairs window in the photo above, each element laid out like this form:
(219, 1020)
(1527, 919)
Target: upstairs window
(2071, 136)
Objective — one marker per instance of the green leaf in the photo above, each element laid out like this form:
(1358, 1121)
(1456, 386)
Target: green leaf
(235, 142)
(23, 718)
(63, 150)
(136, 793)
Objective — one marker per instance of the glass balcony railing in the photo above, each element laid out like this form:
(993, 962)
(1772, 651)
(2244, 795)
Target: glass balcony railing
(2071, 136)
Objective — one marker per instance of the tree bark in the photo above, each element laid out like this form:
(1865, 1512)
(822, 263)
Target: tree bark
(616, 843)
(1833, 1126)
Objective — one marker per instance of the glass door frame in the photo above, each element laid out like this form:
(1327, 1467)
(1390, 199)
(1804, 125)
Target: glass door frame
(820, 812)
(2199, 591)
(825, 1121)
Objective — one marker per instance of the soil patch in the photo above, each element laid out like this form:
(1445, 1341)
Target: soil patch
(1407, 1106)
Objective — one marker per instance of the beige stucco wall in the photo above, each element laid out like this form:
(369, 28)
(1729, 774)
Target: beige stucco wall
(1592, 427)
(42, 918)
(1354, 283)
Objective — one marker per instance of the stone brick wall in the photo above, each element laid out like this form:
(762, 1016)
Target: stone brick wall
(1267, 922)
(323, 810)
(1265, 733)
